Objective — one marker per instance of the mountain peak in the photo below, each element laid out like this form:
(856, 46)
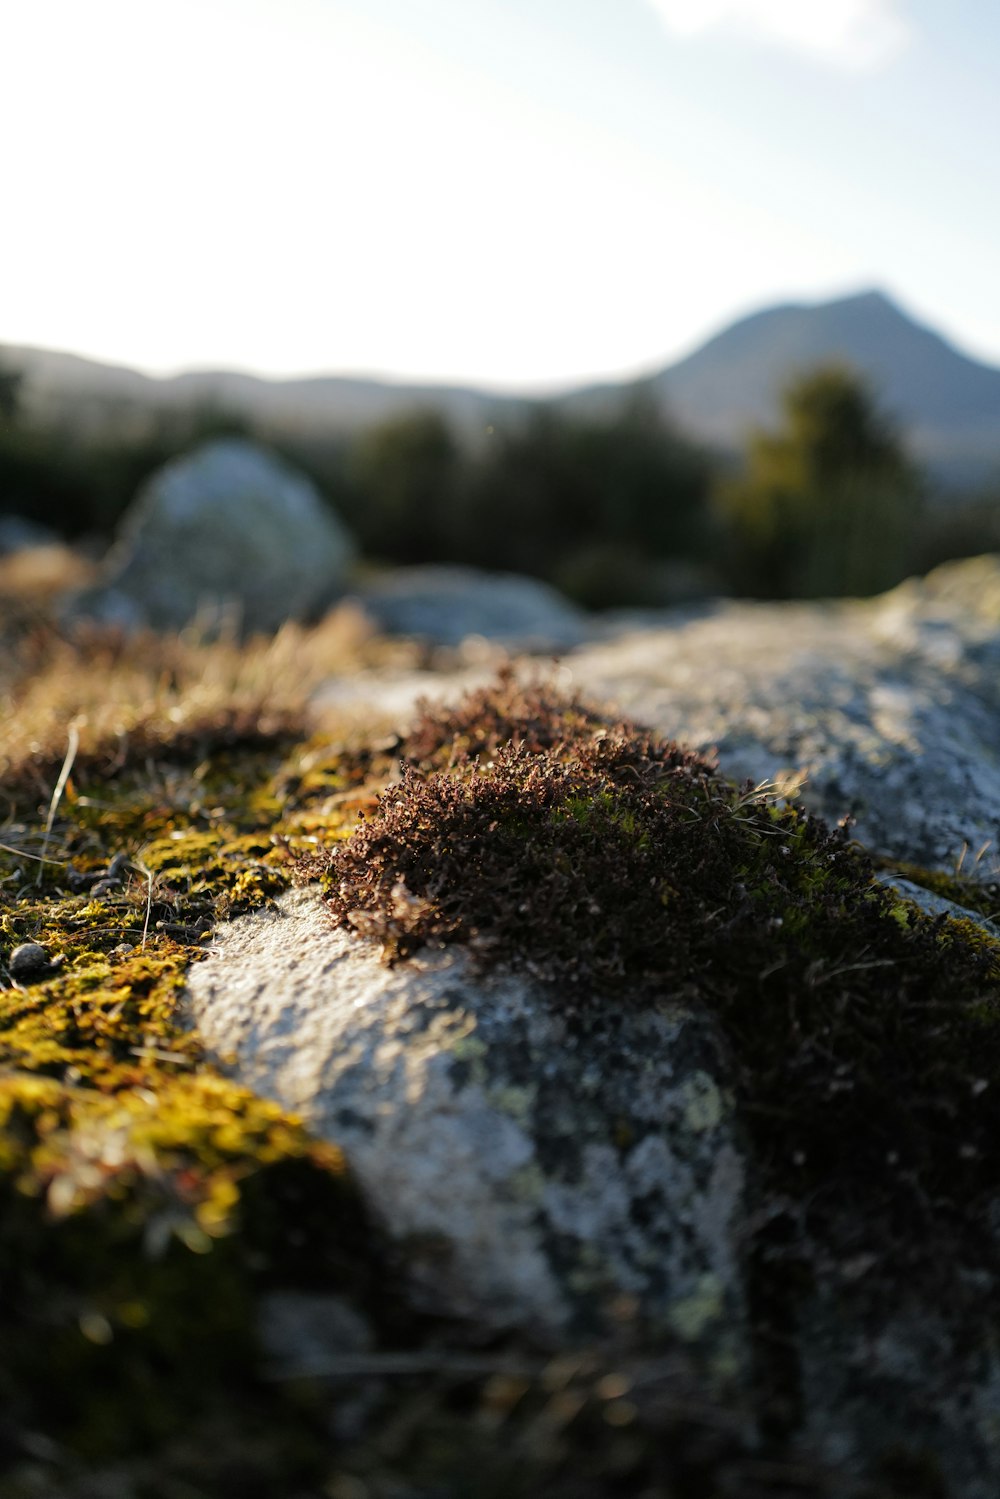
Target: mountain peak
(871, 300)
(944, 402)
(871, 296)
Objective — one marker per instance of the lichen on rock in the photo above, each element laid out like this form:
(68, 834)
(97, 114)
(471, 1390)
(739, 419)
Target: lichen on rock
(542, 1171)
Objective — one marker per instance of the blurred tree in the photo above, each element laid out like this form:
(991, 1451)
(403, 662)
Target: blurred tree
(11, 385)
(556, 492)
(963, 526)
(405, 474)
(828, 505)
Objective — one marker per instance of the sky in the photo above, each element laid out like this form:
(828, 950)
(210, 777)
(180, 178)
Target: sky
(522, 194)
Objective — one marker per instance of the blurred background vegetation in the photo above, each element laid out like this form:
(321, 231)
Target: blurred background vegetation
(617, 509)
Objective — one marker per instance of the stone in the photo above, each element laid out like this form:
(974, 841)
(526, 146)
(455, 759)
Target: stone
(446, 605)
(29, 962)
(538, 1175)
(228, 536)
(588, 1165)
(887, 711)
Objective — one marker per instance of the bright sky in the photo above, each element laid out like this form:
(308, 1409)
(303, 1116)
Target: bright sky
(512, 192)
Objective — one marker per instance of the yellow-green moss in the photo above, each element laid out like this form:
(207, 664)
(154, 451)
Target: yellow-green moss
(974, 894)
(146, 1198)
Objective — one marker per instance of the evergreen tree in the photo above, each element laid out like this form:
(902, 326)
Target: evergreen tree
(405, 472)
(10, 395)
(827, 505)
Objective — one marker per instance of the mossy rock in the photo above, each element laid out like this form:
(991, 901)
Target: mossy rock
(152, 1200)
(619, 875)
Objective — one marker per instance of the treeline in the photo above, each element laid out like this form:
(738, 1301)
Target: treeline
(613, 509)
(623, 509)
(598, 506)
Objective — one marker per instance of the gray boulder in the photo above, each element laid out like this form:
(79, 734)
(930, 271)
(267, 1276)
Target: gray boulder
(447, 605)
(586, 1172)
(228, 534)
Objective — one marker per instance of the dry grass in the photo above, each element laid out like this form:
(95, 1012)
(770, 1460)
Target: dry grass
(32, 583)
(134, 697)
(39, 574)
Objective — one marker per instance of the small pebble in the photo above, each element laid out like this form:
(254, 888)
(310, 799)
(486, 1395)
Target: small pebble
(28, 961)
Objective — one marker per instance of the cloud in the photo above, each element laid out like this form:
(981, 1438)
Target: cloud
(847, 33)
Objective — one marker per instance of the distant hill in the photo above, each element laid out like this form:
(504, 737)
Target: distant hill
(947, 405)
(85, 394)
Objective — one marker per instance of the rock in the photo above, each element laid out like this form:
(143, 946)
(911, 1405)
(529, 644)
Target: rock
(446, 605)
(737, 1112)
(540, 1175)
(227, 534)
(29, 963)
(577, 1184)
(884, 1372)
(890, 709)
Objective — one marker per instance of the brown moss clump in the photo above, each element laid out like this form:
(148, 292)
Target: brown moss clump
(508, 713)
(566, 865)
(620, 868)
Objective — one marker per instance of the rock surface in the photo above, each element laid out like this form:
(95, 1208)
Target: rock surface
(939, 905)
(890, 709)
(578, 1182)
(446, 605)
(228, 534)
(541, 1173)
